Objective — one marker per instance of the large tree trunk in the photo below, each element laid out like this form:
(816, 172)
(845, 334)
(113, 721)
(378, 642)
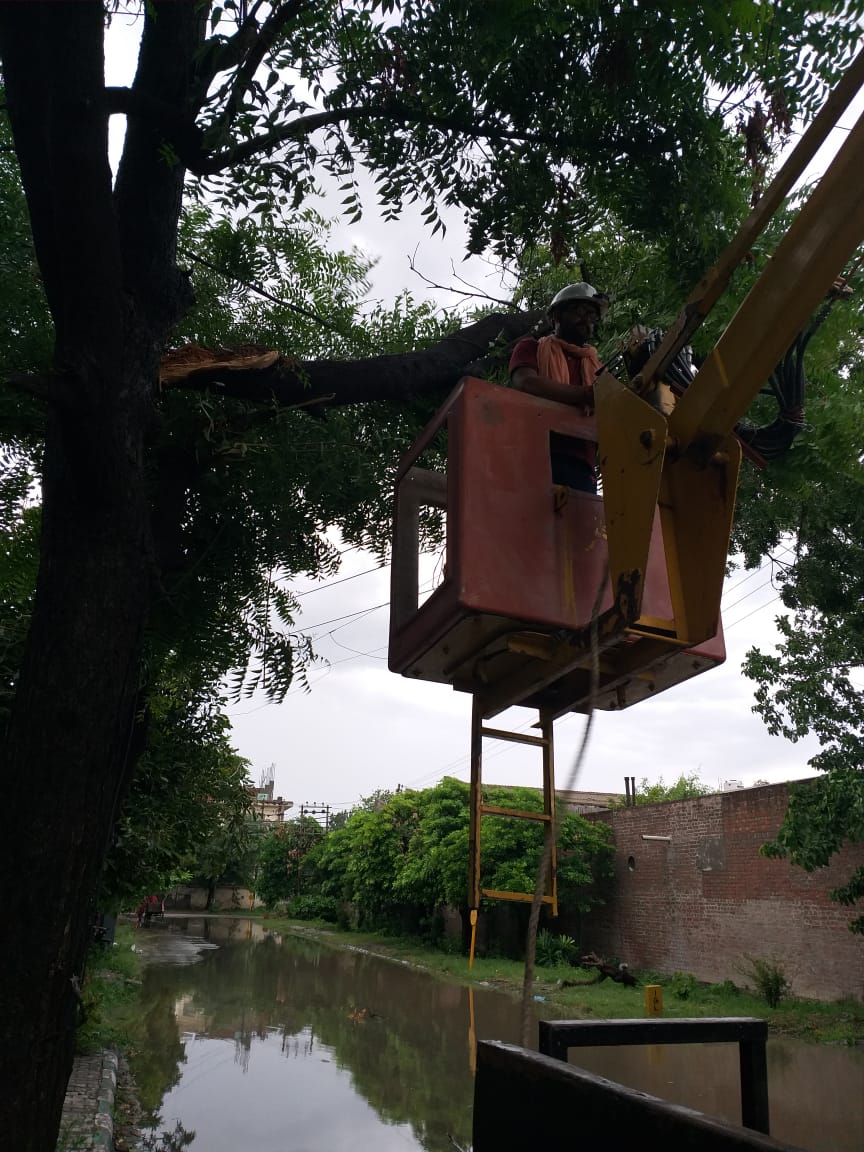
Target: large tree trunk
(66, 761)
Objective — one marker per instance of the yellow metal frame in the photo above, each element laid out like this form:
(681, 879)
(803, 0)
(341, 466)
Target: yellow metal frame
(632, 445)
(696, 500)
(545, 742)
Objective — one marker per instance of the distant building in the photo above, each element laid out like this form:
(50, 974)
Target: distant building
(579, 802)
(731, 785)
(588, 801)
(264, 805)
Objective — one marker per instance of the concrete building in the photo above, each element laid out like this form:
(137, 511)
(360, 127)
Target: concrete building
(268, 808)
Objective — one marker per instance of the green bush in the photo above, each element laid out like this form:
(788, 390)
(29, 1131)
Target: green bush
(111, 994)
(768, 978)
(682, 984)
(313, 907)
(552, 950)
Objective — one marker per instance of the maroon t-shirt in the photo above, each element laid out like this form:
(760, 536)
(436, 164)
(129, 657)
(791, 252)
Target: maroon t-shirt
(524, 355)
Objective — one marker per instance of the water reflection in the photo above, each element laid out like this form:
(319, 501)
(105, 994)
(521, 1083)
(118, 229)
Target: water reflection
(283, 1043)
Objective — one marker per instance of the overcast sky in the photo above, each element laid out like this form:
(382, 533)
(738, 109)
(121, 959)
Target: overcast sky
(361, 727)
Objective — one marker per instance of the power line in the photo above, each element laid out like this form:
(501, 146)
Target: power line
(761, 607)
(342, 580)
(336, 619)
(356, 651)
(759, 587)
(769, 558)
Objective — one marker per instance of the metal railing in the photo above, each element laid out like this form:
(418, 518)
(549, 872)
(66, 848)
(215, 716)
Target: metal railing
(749, 1033)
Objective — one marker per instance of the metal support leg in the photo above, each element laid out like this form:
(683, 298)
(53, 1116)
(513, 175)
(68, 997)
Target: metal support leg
(754, 1085)
(478, 808)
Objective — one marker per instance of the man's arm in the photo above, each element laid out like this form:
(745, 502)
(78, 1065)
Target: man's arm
(529, 380)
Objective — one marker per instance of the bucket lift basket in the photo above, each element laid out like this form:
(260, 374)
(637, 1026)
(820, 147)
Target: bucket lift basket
(527, 562)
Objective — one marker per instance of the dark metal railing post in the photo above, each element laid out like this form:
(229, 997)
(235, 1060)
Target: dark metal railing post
(750, 1033)
(552, 1042)
(754, 1084)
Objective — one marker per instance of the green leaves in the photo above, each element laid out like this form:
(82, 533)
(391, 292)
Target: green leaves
(187, 808)
(286, 861)
(811, 684)
(683, 788)
(495, 106)
(823, 815)
(410, 851)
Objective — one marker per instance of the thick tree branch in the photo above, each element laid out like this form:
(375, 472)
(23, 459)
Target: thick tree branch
(231, 52)
(305, 125)
(291, 383)
(176, 125)
(62, 150)
(270, 31)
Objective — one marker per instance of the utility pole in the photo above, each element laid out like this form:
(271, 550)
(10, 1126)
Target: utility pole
(316, 810)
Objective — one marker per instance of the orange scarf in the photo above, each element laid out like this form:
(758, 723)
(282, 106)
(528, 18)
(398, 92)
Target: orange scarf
(552, 362)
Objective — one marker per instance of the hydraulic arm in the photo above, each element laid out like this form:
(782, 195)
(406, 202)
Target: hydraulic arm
(687, 464)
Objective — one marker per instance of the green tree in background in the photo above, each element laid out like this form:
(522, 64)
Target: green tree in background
(190, 792)
(285, 865)
(684, 788)
(400, 860)
(806, 513)
(229, 854)
(808, 687)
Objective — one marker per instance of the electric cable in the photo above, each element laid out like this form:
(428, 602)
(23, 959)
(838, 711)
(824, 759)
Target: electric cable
(342, 580)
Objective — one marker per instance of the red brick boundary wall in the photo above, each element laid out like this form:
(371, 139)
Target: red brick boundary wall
(692, 894)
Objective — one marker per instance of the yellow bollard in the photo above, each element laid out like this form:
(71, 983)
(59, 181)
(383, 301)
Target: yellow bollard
(653, 1000)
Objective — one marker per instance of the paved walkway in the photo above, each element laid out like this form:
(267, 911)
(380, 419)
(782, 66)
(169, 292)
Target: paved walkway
(89, 1105)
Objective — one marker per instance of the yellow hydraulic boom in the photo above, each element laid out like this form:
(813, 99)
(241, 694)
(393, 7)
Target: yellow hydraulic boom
(687, 464)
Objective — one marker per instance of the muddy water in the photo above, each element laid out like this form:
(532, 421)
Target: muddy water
(281, 1044)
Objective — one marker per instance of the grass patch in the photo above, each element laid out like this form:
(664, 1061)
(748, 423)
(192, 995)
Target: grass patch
(838, 1022)
(111, 995)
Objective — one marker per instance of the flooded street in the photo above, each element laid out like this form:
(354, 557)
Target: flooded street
(282, 1044)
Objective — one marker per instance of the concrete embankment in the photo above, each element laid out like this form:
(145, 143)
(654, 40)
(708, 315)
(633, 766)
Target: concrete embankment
(88, 1110)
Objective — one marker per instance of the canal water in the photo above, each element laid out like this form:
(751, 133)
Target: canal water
(269, 1043)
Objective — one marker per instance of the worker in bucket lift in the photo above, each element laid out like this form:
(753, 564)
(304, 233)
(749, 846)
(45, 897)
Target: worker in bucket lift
(563, 367)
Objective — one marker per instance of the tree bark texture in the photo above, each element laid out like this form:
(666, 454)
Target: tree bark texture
(66, 759)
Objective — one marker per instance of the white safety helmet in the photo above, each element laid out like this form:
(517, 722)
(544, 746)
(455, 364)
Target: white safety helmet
(580, 291)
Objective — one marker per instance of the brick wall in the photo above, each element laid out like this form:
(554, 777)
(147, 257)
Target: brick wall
(699, 900)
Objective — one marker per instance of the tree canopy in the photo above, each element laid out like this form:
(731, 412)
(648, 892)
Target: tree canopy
(684, 788)
(189, 796)
(403, 857)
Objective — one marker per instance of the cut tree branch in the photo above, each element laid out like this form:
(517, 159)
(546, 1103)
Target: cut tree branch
(325, 383)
